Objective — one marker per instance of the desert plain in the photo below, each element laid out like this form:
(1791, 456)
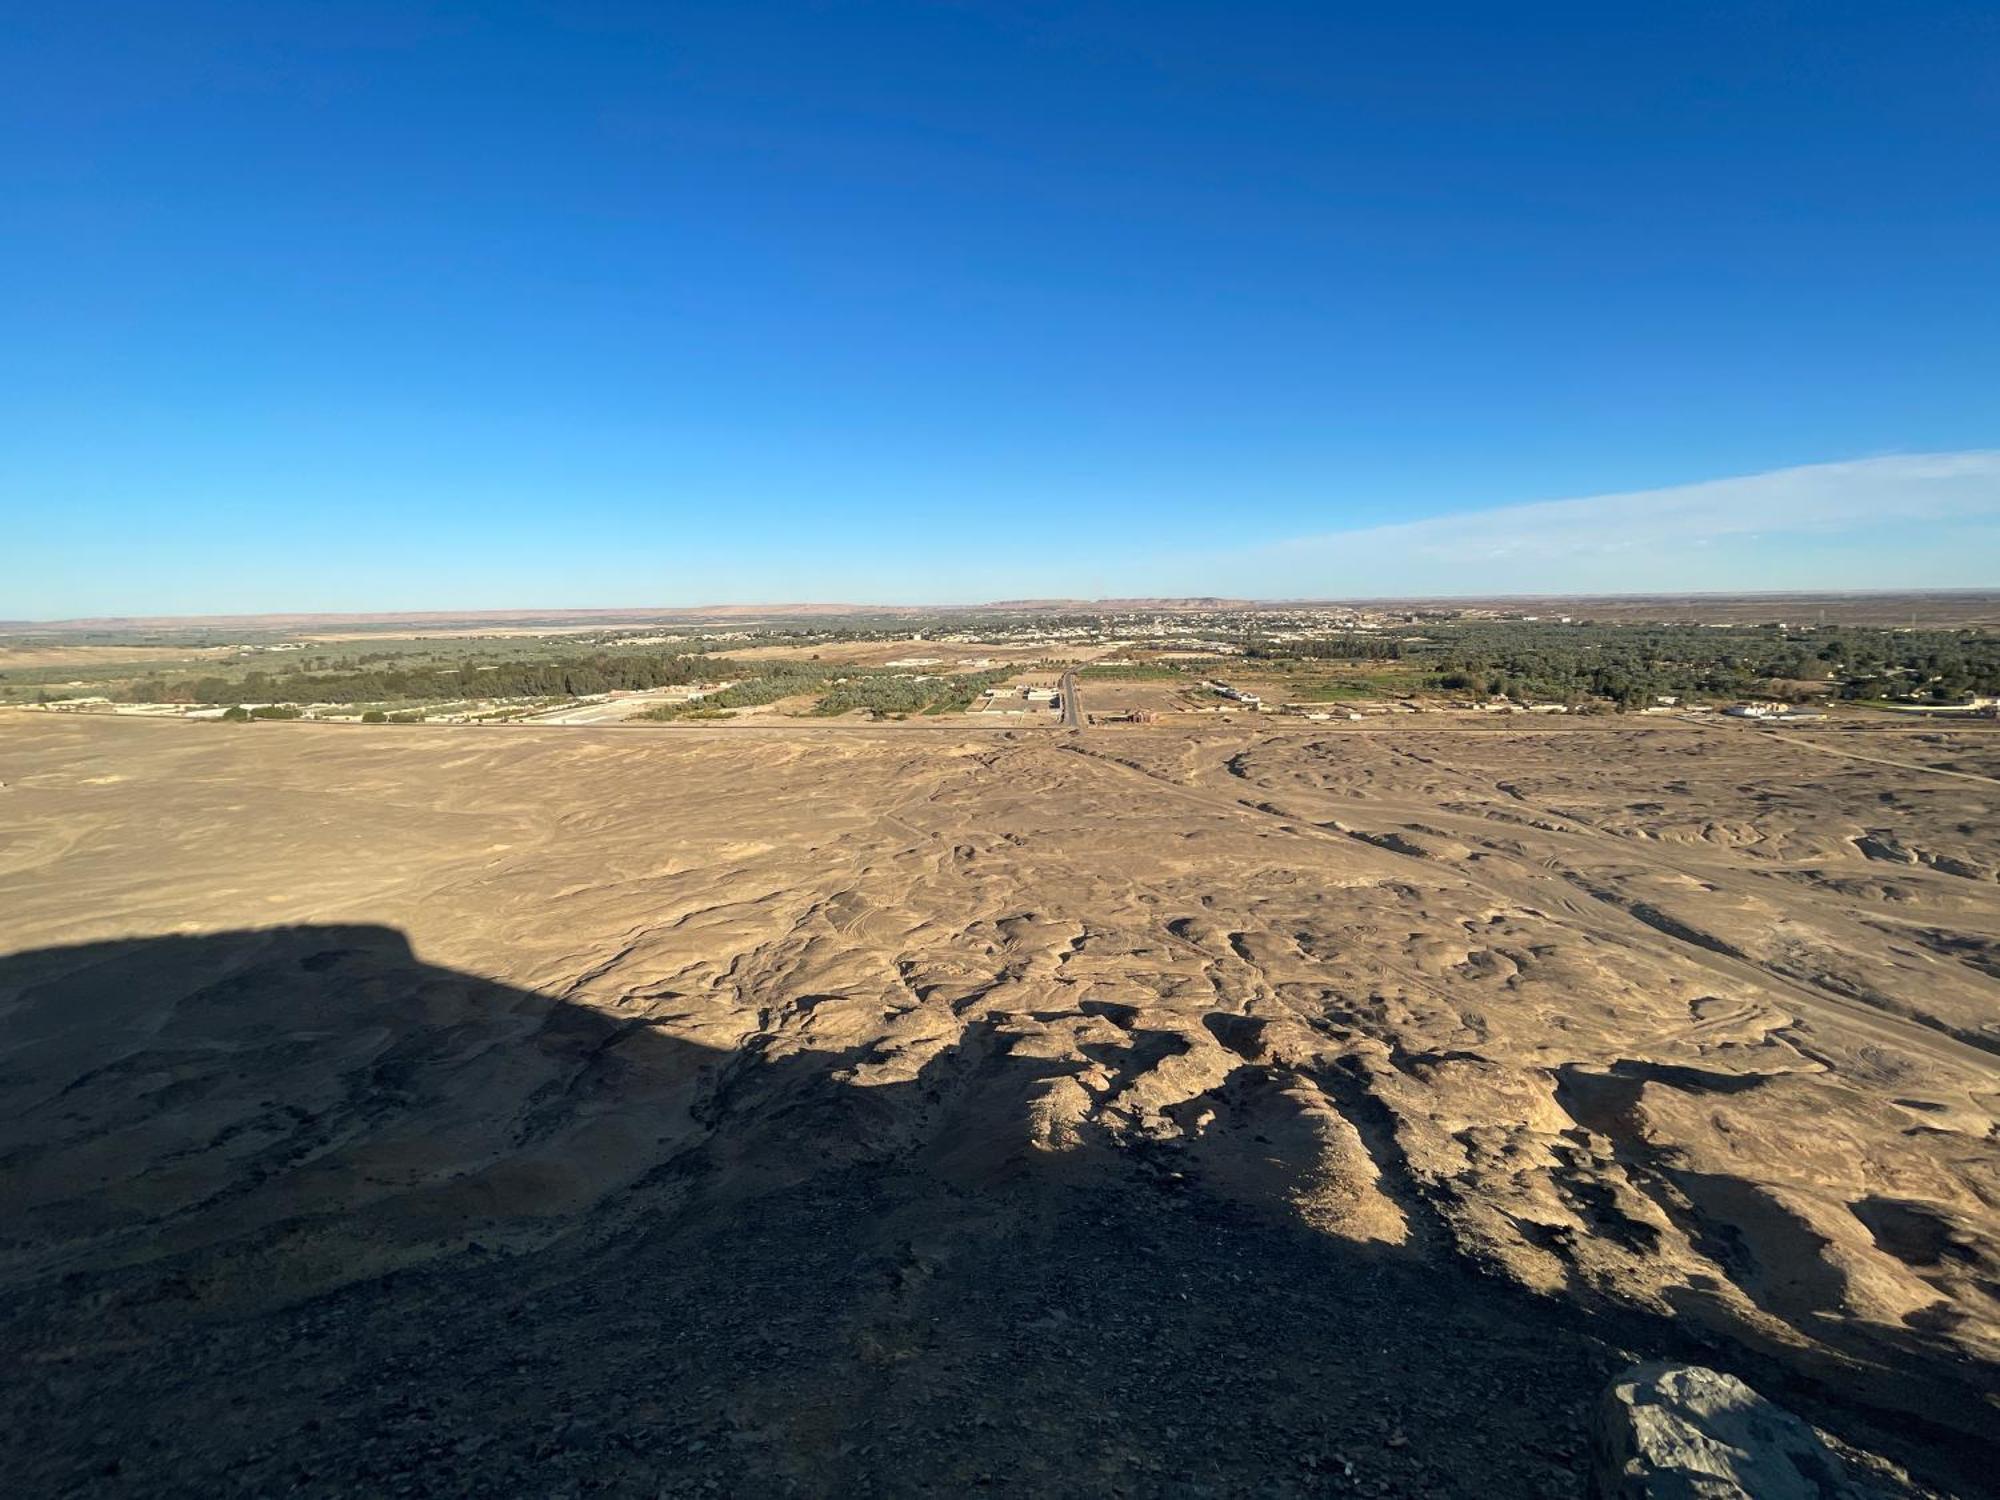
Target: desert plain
(1225, 1110)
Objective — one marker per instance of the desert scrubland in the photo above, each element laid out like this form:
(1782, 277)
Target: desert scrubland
(1197, 1111)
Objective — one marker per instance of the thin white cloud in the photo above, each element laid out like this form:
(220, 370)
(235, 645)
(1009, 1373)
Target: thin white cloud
(1721, 533)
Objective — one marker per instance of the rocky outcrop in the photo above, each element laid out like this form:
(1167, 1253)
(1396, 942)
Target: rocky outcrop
(1683, 1432)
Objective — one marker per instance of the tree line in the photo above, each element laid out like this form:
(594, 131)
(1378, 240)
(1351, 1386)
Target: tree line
(552, 677)
(1630, 665)
(1354, 646)
(887, 694)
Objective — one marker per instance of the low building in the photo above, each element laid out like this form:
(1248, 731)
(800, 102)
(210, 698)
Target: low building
(1774, 713)
(1234, 694)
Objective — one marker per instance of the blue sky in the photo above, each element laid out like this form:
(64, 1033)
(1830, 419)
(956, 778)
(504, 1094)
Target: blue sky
(380, 306)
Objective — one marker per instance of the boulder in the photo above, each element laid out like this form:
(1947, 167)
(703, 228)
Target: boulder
(1666, 1431)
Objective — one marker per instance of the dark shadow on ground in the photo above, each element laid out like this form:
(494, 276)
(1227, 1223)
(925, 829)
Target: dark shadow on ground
(291, 1211)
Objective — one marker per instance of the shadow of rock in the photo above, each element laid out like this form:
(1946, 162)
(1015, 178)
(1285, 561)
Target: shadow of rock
(292, 1211)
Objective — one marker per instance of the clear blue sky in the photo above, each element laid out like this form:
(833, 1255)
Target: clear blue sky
(402, 305)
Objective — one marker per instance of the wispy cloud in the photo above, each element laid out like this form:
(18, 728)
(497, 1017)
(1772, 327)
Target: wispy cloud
(1875, 520)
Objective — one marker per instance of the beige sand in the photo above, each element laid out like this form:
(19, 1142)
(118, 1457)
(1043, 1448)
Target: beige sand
(1697, 1023)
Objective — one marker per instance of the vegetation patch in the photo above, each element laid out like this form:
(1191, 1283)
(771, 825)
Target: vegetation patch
(888, 695)
(1131, 672)
(1350, 689)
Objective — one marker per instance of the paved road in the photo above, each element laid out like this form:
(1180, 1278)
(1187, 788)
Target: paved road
(1072, 711)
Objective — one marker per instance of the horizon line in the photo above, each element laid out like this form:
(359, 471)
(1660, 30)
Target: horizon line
(1022, 604)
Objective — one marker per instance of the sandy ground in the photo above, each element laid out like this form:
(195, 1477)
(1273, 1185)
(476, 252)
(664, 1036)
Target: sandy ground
(96, 658)
(1143, 1111)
